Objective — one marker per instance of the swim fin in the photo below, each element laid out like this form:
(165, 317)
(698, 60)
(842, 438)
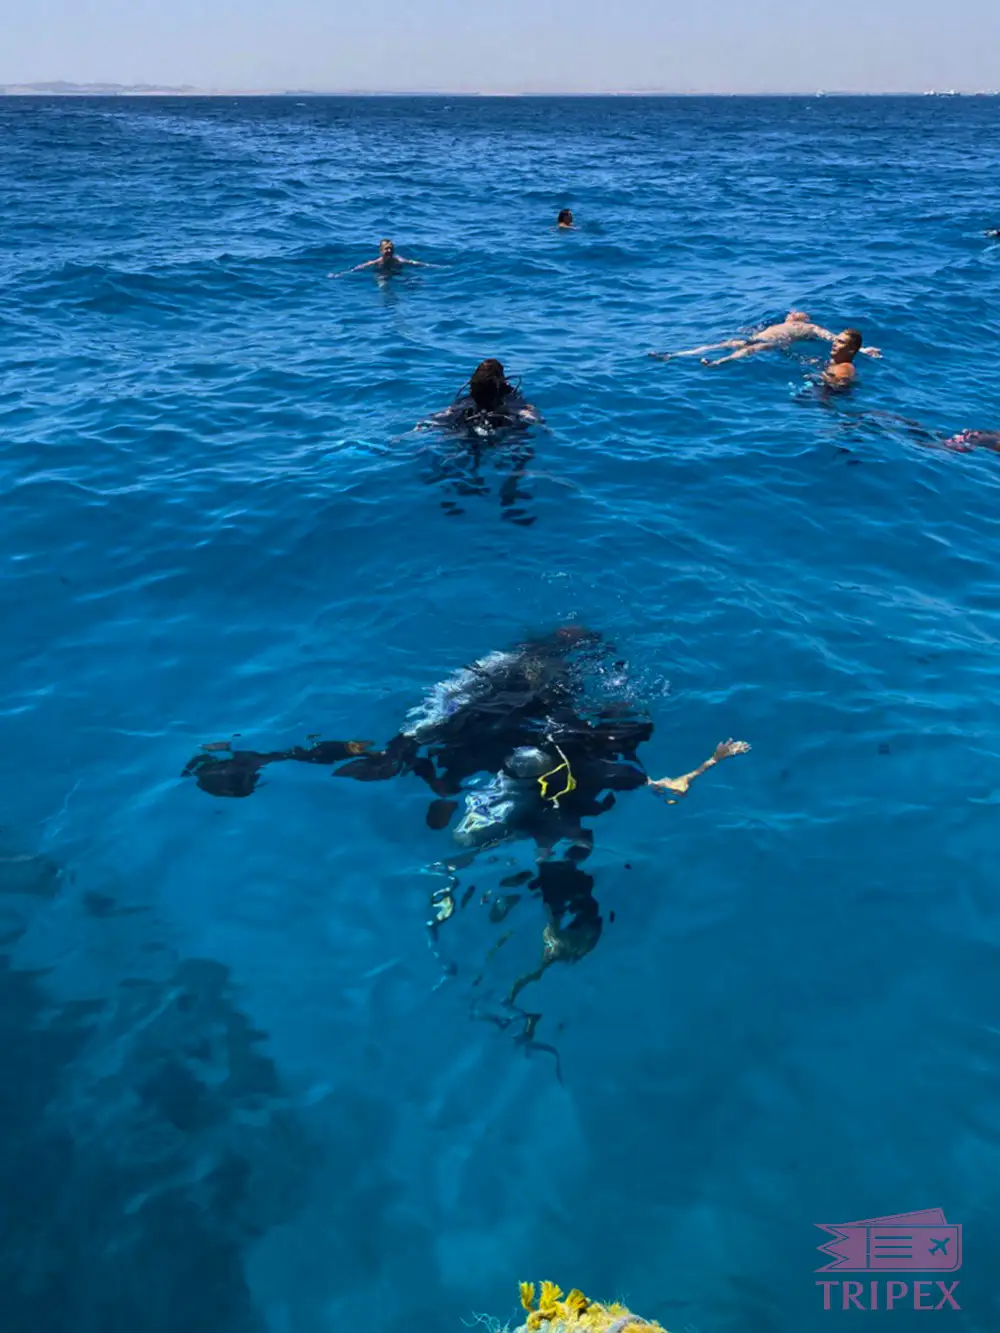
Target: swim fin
(235, 776)
(375, 767)
(329, 752)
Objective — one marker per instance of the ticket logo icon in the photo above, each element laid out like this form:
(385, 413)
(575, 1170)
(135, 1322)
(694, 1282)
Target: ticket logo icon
(902, 1243)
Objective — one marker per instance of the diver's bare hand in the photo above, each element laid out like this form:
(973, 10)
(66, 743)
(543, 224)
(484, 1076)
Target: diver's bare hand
(682, 785)
(679, 786)
(726, 749)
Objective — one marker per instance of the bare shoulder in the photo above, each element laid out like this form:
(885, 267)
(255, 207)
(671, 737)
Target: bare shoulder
(839, 375)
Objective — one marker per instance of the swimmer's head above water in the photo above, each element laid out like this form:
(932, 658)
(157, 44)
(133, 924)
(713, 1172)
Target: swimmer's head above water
(488, 386)
(387, 250)
(840, 372)
(846, 346)
(565, 218)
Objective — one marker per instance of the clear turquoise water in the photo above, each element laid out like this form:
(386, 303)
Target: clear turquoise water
(236, 1097)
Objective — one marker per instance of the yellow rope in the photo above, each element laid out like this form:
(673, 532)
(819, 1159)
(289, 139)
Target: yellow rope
(543, 780)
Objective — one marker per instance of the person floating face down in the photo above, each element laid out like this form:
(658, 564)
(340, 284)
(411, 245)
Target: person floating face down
(388, 261)
(513, 718)
(795, 327)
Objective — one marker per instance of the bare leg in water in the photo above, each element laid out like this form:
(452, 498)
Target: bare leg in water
(700, 351)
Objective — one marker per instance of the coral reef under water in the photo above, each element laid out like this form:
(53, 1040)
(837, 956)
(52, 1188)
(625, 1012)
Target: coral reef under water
(575, 1313)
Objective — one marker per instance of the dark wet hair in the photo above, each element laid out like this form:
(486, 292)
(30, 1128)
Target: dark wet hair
(566, 217)
(488, 386)
(856, 340)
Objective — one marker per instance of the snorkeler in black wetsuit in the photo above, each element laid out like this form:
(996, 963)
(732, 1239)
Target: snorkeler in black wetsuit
(487, 404)
(513, 716)
(489, 413)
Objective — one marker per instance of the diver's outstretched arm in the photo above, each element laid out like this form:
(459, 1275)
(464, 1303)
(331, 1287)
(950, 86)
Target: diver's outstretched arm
(698, 351)
(680, 786)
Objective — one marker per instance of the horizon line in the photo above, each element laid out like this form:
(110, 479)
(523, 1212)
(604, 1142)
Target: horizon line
(68, 88)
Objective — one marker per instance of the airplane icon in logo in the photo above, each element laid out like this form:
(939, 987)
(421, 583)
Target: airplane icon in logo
(922, 1242)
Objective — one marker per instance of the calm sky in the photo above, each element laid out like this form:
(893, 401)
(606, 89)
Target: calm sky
(513, 46)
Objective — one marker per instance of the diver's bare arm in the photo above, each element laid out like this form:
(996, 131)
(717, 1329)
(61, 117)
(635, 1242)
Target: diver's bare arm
(680, 786)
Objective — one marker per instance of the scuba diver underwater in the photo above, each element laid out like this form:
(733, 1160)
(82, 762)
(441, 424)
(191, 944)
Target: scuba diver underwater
(513, 739)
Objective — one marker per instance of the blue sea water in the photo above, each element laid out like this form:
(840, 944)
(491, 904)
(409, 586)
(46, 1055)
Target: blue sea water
(236, 1094)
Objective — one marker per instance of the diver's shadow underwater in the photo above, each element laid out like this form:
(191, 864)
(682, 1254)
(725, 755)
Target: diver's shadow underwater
(518, 719)
(459, 473)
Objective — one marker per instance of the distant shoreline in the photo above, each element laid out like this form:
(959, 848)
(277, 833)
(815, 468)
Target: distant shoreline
(64, 89)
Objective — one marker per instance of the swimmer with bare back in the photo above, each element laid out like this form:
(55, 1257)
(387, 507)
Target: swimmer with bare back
(795, 327)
